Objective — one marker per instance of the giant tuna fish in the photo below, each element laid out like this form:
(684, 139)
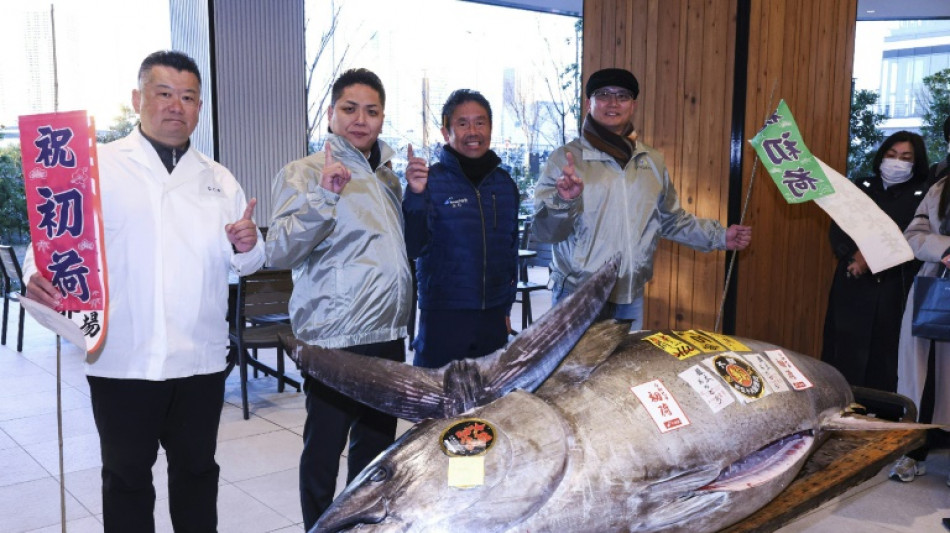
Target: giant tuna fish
(651, 431)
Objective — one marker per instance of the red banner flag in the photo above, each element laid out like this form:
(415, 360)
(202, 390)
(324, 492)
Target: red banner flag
(61, 178)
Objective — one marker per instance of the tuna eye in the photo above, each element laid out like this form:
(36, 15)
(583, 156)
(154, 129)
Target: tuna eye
(379, 474)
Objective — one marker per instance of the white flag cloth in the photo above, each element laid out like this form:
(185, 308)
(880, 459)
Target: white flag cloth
(880, 240)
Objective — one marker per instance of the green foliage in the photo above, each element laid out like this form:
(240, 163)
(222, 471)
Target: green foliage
(864, 132)
(122, 125)
(14, 226)
(935, 99)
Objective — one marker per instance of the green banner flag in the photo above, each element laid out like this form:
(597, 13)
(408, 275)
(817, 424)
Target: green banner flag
(794, 170)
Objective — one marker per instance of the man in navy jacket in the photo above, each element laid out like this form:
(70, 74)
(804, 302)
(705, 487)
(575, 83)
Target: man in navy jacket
(461, 220)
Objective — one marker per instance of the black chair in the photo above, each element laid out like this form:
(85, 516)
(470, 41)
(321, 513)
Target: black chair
(525, 287)
(13, 288)
(260, 312)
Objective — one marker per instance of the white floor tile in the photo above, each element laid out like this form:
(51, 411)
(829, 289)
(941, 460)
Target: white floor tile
(89, 524)
(43, 427)
(258, 455)
(35, 504)
(18, 466)
(238, 512)
(79, 453)
(6, 441)
(39, 403)
(278, 491)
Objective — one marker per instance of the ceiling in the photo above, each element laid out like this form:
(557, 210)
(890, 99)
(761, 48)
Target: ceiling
(867, 9)
(903, 9)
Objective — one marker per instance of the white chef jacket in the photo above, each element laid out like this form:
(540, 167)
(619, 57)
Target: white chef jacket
(168, 259)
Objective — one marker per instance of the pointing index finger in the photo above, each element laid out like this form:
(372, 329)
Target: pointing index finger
(409, 152)
(249, 210)
(328, 153)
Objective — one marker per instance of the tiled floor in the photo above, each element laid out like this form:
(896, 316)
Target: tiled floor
(258, 458)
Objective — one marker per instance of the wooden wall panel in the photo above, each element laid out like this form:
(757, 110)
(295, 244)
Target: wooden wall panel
(804, 49)
(683, 54)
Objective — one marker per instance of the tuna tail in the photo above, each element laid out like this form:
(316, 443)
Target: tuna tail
(855, 422)
(418, 393)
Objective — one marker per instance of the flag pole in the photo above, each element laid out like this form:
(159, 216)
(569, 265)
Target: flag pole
(745, 208)
(59, 350)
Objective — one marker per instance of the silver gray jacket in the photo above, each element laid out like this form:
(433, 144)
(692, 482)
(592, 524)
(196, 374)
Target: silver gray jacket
(351, 275)
(622, 210)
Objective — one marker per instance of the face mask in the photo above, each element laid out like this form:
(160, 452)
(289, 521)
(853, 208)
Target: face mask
(894, 171)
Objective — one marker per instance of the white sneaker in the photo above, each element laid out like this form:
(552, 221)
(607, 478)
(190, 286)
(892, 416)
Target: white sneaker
(906, 469)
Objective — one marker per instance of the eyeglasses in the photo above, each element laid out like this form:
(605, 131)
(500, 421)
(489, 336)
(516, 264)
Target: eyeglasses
(621, 97)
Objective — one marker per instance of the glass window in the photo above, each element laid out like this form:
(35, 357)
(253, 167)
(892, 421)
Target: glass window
(523, 62)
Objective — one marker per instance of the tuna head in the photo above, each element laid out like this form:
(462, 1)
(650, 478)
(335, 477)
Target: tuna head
(487, 471)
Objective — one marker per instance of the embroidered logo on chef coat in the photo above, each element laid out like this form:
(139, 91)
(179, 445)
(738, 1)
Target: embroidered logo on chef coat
(210, 187)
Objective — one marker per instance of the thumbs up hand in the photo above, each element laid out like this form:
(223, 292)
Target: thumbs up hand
(417, 172)
(243, 233)
(335, 175)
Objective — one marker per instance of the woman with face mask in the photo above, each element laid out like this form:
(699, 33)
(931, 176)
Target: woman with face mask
(862, 326)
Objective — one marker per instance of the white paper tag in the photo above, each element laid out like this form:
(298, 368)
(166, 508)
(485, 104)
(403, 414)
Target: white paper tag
(788, 369)
(661, 405)
(767, 369)
(710, 389)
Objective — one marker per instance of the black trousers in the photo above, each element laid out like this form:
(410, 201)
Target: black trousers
(331, 417)
(925, 411)
(133, 417)
(447, 335)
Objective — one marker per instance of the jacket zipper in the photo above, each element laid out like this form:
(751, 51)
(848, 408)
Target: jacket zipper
(494, 208)
(481, 212)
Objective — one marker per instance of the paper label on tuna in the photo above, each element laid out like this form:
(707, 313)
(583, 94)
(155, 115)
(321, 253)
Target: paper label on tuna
(673, 346)
(729, 342)
(466, 472)
(710, 389)
(700, 340)
(796, 378)
(660, 404)
(468, 437)
(772, 376)
(744, 380)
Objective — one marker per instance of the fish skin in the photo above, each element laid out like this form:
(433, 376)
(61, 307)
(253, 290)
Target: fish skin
(415, 393)
(582, 451)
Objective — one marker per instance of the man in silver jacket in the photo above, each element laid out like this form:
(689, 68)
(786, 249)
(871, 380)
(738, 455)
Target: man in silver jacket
(606, 193)
(337, 222)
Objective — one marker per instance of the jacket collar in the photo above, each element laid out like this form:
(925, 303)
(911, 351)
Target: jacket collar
(141, 151)
(590, 153)
(347, 153)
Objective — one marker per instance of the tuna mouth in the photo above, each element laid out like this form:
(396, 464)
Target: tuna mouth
(765, 464)
(330, 522)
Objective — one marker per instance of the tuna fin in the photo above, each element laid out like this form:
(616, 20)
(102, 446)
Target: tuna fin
(394, 388)
(529, 359)
(597, 344)
(855, 422)
(417, 393)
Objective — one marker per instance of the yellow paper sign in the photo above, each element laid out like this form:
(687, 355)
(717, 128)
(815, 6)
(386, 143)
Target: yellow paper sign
(700, 340)
(728, 342)
(672, 345)
(467, 472)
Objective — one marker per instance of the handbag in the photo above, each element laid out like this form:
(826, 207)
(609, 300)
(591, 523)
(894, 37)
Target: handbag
(932, 307)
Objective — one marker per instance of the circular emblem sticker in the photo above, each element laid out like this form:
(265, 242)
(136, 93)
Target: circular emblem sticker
(739, 375)
(467, 437)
